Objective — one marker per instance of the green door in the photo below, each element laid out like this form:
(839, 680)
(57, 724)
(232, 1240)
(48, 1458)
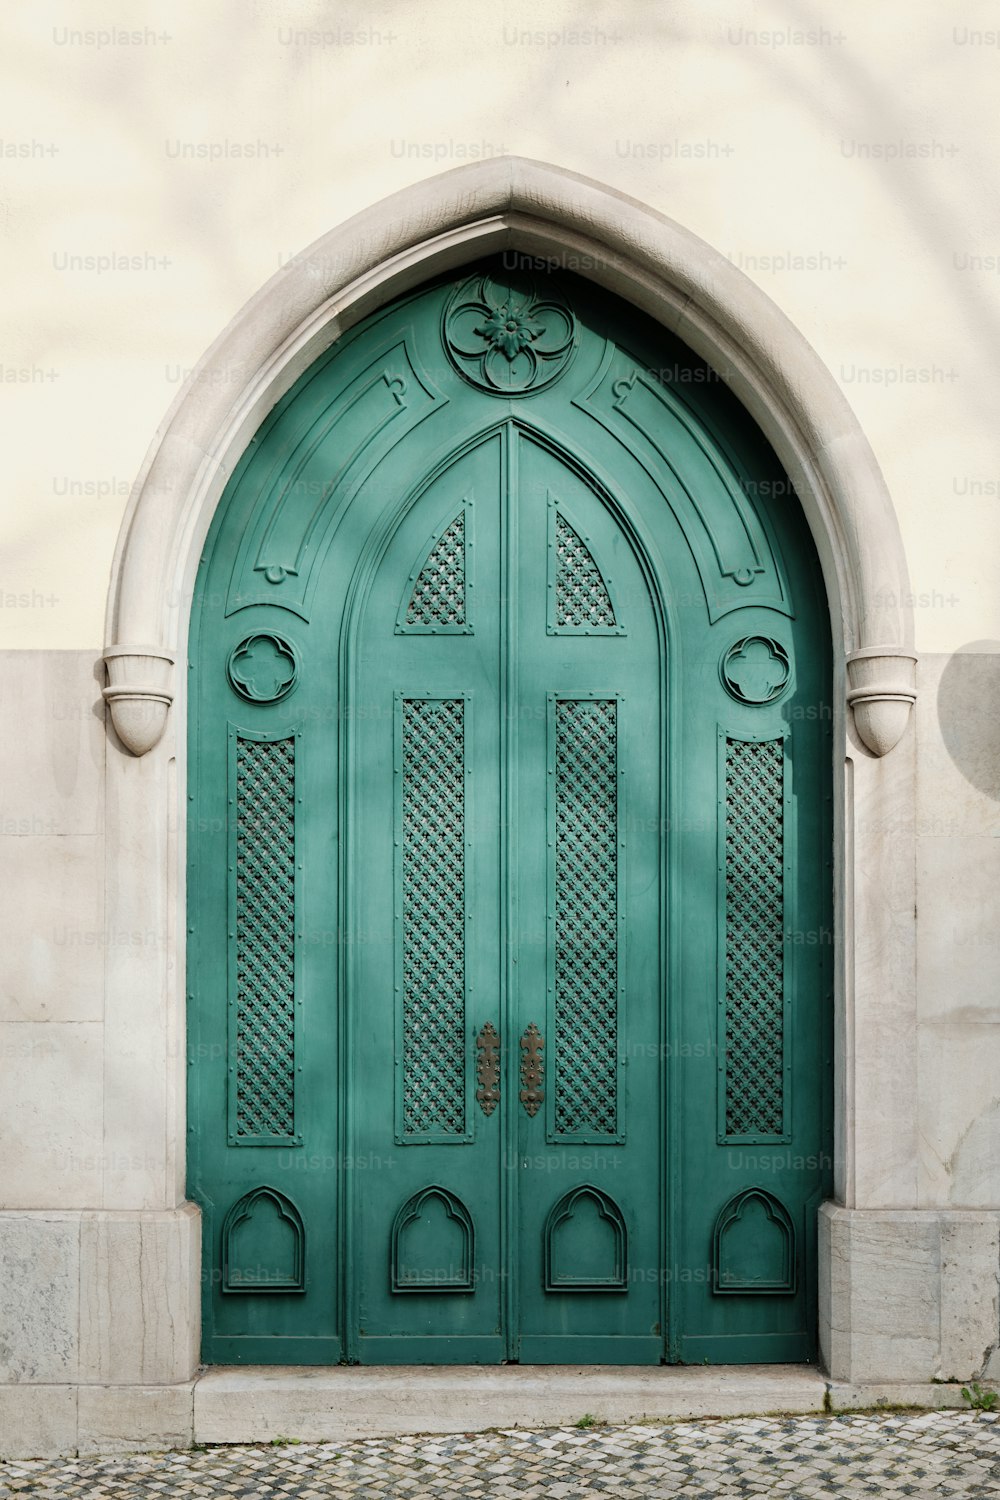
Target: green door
(509, 887)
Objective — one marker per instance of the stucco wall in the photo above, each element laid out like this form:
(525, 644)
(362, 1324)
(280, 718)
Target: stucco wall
(867, 153)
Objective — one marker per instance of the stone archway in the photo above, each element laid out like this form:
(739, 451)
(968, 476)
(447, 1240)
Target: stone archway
(541, 211)
(544, 212)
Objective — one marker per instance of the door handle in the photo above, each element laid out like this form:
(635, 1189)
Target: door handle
(488, 1069)
(532, 1070)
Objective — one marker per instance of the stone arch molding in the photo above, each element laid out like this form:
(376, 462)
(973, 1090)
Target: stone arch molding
(538, 210)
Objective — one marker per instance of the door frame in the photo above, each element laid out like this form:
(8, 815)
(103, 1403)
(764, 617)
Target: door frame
(544, 216)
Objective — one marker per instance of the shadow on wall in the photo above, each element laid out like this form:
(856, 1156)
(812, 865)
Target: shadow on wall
(858, 102)
(968, 695)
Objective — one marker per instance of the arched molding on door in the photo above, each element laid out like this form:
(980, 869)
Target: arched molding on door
(537, 211)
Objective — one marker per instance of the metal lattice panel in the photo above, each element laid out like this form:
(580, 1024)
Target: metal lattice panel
(586, 916)
(582, 599)
(438, 596)
(433, 916)
(265, 938)
(754, 938)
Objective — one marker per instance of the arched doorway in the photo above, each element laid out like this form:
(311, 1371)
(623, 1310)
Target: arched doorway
(509, 864)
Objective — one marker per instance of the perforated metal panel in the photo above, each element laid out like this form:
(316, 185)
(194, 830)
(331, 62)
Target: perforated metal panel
(262, 1003)
(439, 594)
(431, 767)
(585, 903)
(754, 1020)
(582, 598)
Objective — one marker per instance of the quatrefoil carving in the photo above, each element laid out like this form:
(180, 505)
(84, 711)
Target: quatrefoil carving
(263, 668)
(506, 337)
(756, 670)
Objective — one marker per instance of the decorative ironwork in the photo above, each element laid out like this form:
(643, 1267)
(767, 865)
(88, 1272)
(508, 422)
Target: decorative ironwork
(264, 1021)
(586, 978)
(582, 598)
(263, 668)
(488, 1068)
(756, 670)
(754, 895)
(505, 338)
(432, 767)
(532, 1092)
(439, 594)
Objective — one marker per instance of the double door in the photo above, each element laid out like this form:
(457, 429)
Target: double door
(505, 783)
(509, 869)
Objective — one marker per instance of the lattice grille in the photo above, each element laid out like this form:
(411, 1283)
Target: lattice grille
(582, 598)
(265, 937)
(586, 917)
(438, 596)
(754, 938)
(433, 916)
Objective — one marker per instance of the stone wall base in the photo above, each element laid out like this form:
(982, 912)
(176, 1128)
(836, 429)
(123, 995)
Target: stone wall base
(99, 1297)
(56, 1421)
(908, 1297)
(100, 1319)
(257, 1405)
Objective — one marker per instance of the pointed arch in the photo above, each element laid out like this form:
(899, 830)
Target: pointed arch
(763, 1259)
(545, 214)
(605, 1263)
(276, 1252)
(444, 1270)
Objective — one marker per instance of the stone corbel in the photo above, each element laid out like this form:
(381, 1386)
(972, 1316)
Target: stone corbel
(882, 691)
(139, 694)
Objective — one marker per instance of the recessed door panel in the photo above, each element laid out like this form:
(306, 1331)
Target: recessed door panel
(423, 849)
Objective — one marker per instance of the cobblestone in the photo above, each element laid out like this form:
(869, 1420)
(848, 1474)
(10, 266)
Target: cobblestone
(944, 1454)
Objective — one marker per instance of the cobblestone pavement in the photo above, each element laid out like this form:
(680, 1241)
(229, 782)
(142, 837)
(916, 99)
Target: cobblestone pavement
(946, 1454)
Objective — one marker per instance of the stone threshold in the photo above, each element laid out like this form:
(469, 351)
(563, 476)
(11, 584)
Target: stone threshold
(331, 1405)
(260, 1404)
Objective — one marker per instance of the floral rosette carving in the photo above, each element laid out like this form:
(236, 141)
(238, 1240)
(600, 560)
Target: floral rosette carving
(505, 338)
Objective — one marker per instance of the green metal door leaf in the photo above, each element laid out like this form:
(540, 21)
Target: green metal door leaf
(509, 973)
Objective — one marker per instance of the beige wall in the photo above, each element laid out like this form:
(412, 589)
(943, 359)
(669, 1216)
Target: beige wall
(763, 144)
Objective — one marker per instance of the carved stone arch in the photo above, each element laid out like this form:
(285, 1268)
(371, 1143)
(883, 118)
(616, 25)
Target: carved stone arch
(539, 211)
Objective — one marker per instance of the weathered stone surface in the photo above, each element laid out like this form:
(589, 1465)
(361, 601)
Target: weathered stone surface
(51, 1111)
(131, 1418)
(37, 1420)
(54, 903)
(913, 1296)
(959, 1104)
(52, 768)
(139, 1297)
(39, 1300)
(330, 1405)
(847, 1397)
(879, 1120)
(970, 1294)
